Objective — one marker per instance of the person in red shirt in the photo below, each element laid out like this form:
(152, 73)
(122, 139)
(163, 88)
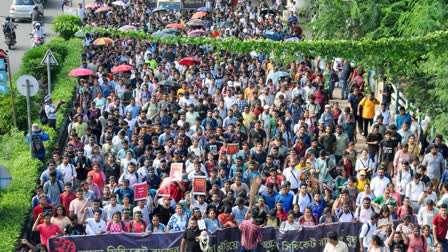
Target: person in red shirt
(177, 190)
(440, 227)
(226, 218)
(138, 225)
(43, 207)
(67, 196)
(47, 229)
(250, 233)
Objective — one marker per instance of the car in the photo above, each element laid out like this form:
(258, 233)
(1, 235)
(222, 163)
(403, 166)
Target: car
(21, 9)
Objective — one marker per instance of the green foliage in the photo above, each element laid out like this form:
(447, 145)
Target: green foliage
(66, 25)
(15, 155)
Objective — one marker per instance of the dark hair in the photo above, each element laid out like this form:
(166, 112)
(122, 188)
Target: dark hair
(55, 212)
(378, 240)
(332, 235)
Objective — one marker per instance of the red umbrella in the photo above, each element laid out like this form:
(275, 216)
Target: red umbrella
(188, 61)
(104, 8)
(122, 68)
(80, 72)
(198, 15)
(177, 26)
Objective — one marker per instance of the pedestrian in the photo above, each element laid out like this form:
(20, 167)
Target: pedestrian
(250, 233)
(333, 244)
(189, 242)
(51, 109)
(368, 111)
(37, 139)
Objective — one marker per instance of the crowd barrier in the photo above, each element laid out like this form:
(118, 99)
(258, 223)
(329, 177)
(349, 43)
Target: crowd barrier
(226, 240)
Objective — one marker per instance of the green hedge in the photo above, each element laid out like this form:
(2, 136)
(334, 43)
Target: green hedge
(15, 201)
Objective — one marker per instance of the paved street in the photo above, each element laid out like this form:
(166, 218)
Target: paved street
(24, 28)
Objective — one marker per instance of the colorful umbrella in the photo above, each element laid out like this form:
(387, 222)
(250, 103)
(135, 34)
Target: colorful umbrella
(188, 61)
(177, 26)
(105, 8)
(197, 33)
(280, 74)
(120, 3)
(80, 72)
(206, 9)
(198, 15)
(81, 34)
(195, 22)
(122, 68)
(92, 6)
(127, 28)
(170, 30)
(102, 41)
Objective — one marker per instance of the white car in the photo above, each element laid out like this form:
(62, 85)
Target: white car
(21, 9)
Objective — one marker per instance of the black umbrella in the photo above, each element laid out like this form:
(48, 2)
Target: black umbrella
(169, 83)
(265, 11)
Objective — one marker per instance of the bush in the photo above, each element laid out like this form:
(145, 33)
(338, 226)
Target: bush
(15, 201)
(66, 25)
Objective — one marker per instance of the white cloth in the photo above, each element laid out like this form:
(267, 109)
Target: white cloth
(378, 185)
(293, 176)
(93, 227)
(340, 247)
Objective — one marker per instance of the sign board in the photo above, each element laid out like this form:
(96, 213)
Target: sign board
(140, 191)
(5, 177)
(164, 189)
(2, 64)
(232, 148)
(3, 77)
(192, 4)
(199, 185)
(49, 56)
(3, 88)
(176, 171)
(32, 82)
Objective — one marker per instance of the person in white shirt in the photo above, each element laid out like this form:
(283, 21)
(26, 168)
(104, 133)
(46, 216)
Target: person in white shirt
(344, 214)
(113, 207)
(292, 175)
(364, 212)
(290, 224)
(198, 203)
(303, 198)
(333, 244)
(404, 177)
(387, 121)
(413, 191)
(145, 207)
(68, 170)
(427, 214)
(426, 195)
(367, 230)
(95, 225)
(379, 183)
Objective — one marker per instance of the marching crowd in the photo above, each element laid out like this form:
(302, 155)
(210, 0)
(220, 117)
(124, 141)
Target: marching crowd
(296, 164)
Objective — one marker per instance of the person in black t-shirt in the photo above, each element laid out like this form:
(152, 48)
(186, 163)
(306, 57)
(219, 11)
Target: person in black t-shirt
(386, 154)
(189, 242)
(164, 211)
(373, 142)
(74, 228)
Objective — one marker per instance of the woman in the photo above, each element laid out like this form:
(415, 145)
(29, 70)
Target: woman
(353, 190)
(416, 241)
(341, 181)
(111, 168)
(126, 204)
(413, 146)
(59, 217)
(196, 149)
(96, 156)
(405, 209)
(296, 212)
(290, 224)
(116, 225)
(406, 226)
(138, 225)
(94, 187)
(415, 128)
(346, 164)
(427, 233)
(352, 153)
(328, 197)
(402, 155)
(186, 205)
(178, 221)
(273, 220)
(308, 220)
(98, 176)
(376, 244)
(212, 222)
(280, 212)
(364, 163)
(155, 226)
(327, 217)
(113, 183)
(395, 195)
(384, 221)
(99, 101)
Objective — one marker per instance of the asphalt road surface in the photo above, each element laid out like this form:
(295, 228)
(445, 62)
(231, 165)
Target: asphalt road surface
(24, 29)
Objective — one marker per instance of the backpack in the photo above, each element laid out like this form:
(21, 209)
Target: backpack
(130, 225)
(358, 211)
(43, 116)
(368, 229)
(37, 145)
(342, 212)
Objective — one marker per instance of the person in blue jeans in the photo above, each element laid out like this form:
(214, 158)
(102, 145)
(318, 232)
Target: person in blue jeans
(346, 76)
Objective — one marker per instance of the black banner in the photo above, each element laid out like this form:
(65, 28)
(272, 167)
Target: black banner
(192, 4)
(306, 239)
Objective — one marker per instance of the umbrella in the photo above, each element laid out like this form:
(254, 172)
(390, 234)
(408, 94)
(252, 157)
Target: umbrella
(80, 72)
(170, 30)
(197, 33)
(92, 6)
(206, 9)
(81, 34)
(198, 15)
(188, 61)
(292, 19)
(266, 11)
(293, 39)
(105, 8)
(169, 83)
(195, 22)
(102, 41)
(159, 9)
(280, 74)
(122, 68)
(127, 28)
(177, 26)
(273, 35)
(120, 3)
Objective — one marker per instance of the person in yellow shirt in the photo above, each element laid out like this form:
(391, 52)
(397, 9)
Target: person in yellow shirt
(362, 181)
(368, 111)
(248, 116)
(248, 91)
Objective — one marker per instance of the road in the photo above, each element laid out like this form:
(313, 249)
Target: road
(24, 28)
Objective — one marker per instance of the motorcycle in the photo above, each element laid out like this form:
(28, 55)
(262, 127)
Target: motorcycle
(10, 41)
(37, 41)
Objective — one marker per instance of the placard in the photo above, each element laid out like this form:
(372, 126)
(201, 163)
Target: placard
(140, 191)
(164, 189)
(199, 185)
(176, 171)
(232, 148)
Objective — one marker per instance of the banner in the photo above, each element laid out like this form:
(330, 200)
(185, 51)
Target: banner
(176, 171)
(199, 185)
(140, 191)
(229, 239)
(232, 148)
(192, 4)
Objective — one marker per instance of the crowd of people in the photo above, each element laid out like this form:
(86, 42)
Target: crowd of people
(296, 164)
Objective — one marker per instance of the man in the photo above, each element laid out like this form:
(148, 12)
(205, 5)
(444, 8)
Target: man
(413, 190)
(373, 142)
(113, 207)
(38, 136)
(250, 233)
(346, 77)
(367, 230)
(239, 211)
(427, 214)
(54, 188)
(333, 244)
(95, 225)
(384, 113)
(368, 111)
(440, 227)
(47, 229)
(77, 204)
(401, 118)
(386, 153)
(51, 109)
(353, 101)
(385, 200)
(364, 212)
(189, 242)
(434, 163)
(303, 199)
